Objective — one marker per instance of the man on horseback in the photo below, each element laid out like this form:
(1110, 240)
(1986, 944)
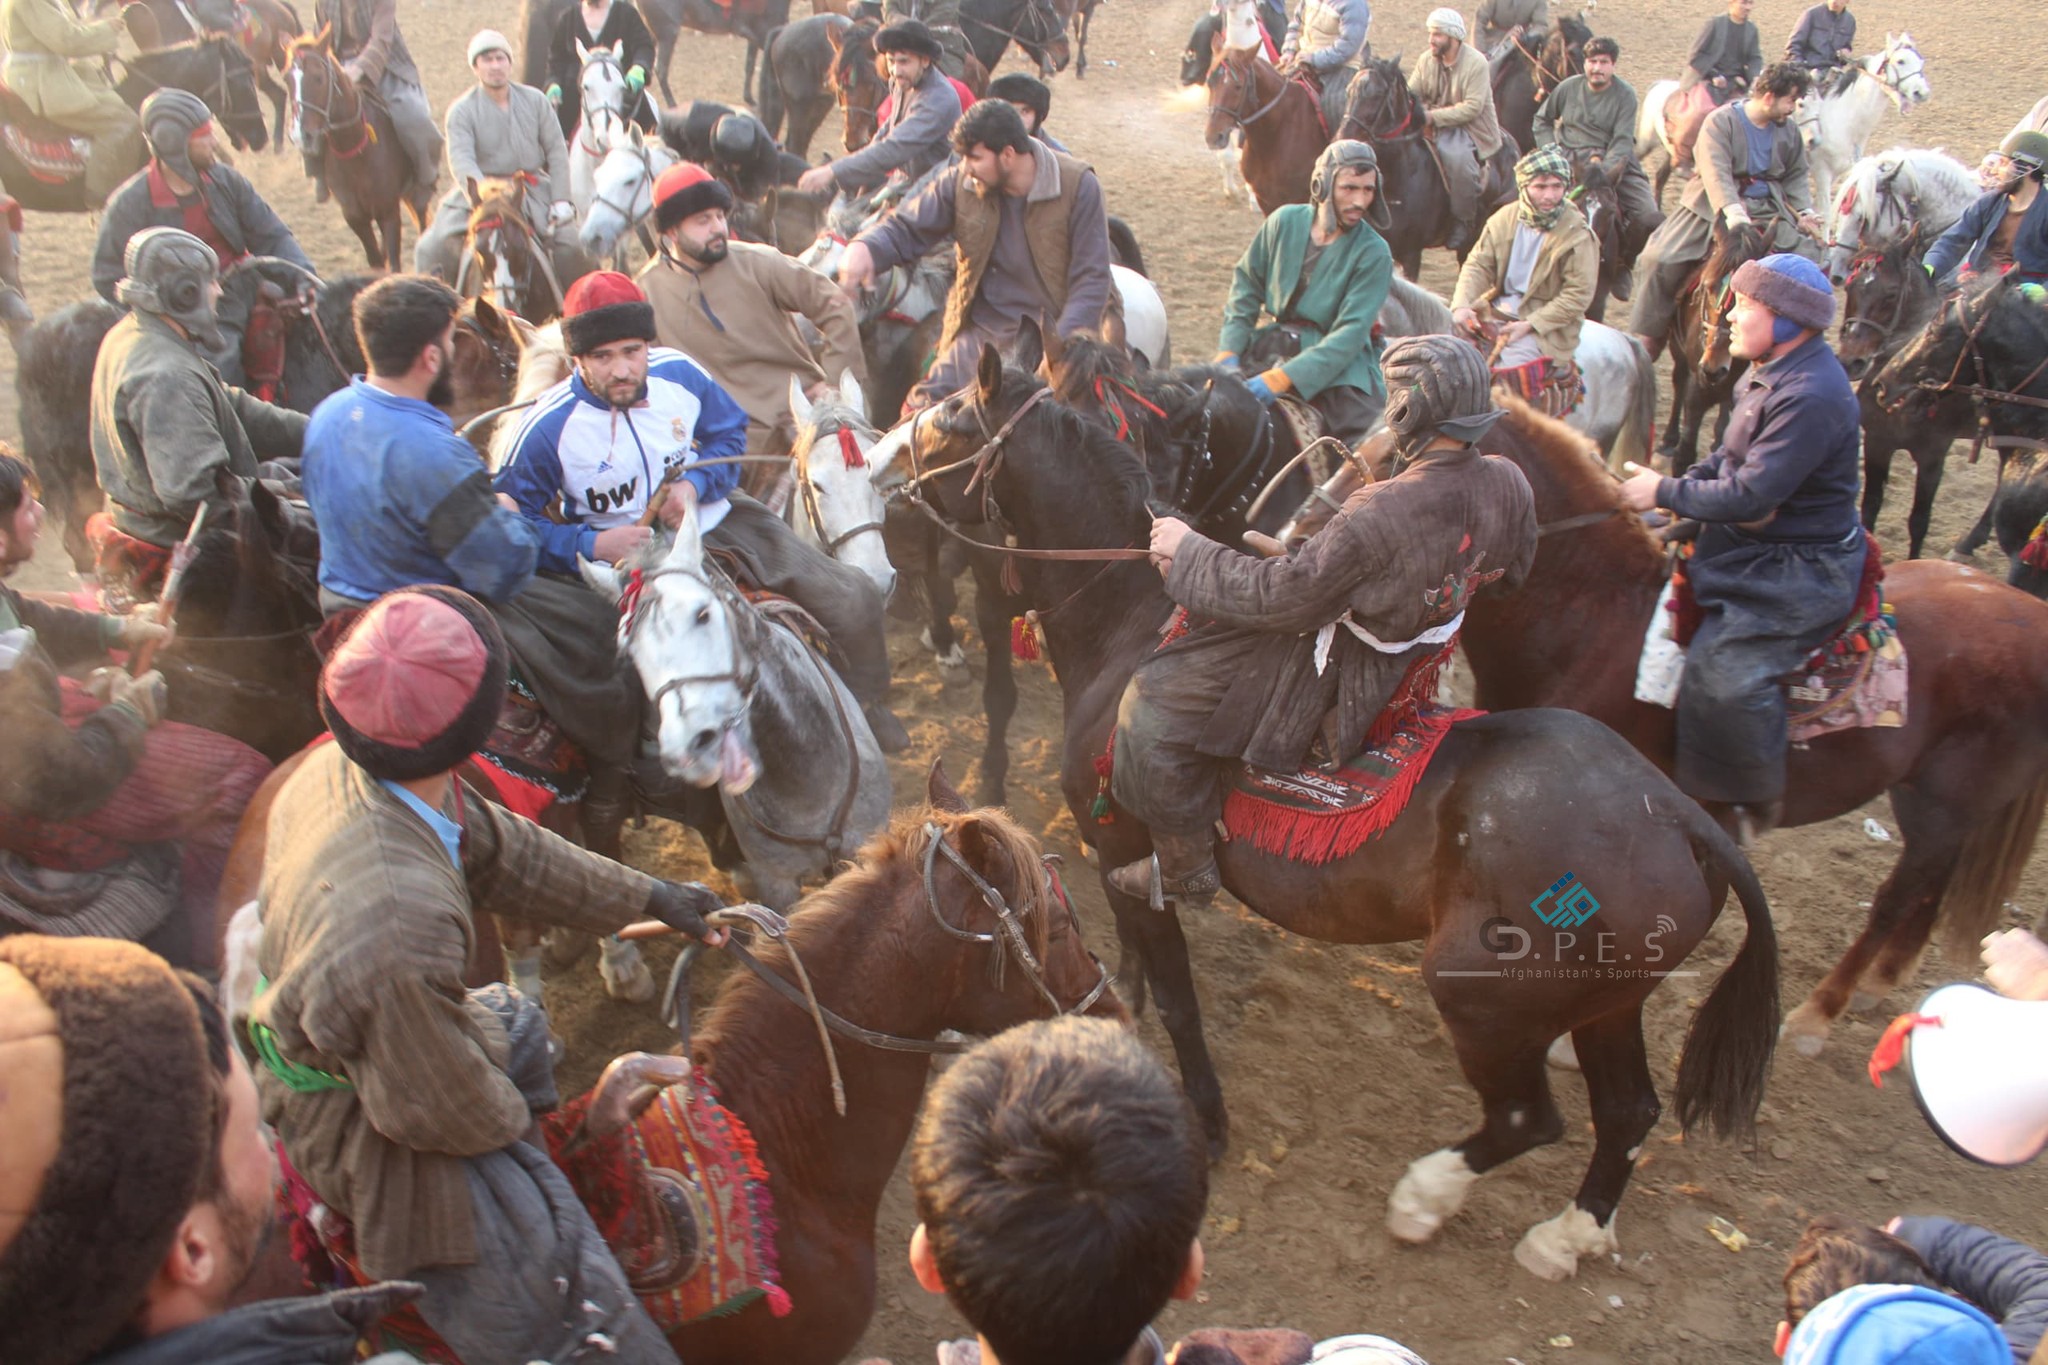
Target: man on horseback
(733, 144)
(500, 128)
(1505, 23)
(732, 307)
(1824, 39)
(942, 17)
(403, 1102)
(164, 424)
(1031, 240)
(622, 441)
(1326, 39)
(186, 185)
(915, 138)
(1752, 172)
(1533, 272)
(1593, 117)
(1726, 56)
(1033, 98)
(1289, 653)
(54, 67)
(1455, 84)
(373, 54)
(586, 28)
(1778, 564)
(2006, 229)
(1321, 271)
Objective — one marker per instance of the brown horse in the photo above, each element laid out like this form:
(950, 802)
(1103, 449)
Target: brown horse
(885, 923)
(1280, 120)
(362, 161)
(1506, 804)
(506, 259)
(856, 84)
(1703, 371)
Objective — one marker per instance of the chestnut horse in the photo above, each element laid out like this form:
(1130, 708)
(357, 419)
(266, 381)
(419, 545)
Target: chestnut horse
(361, 158)
(1703, 370)
(1506, 804)
(1279, 121)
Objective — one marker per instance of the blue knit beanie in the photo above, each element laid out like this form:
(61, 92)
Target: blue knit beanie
(1896, 1324)
(1792, 287)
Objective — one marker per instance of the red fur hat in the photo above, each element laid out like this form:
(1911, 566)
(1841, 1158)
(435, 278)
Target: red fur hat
(685, 189)
(604, 307)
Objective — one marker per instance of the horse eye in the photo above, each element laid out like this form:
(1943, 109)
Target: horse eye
(704, 616)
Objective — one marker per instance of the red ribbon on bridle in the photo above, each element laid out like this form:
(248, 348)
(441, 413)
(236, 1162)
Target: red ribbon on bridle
(849, 450)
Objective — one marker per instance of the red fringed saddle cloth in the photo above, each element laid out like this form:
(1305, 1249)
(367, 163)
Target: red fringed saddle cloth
(1317, 815)
(1551, 387)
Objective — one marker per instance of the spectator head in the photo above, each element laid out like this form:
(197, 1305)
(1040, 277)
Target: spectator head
(1602, 56)
(137, 1188)
(406, 327)
(1060, 1179)
(21, 511)
(1032, 96)
(1781, 86)
(1835, 1253)
(1896, 1324)
(414, 684)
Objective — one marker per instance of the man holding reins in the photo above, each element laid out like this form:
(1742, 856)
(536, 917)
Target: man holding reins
(1455, 84)
(1593, 117)
(915, 137)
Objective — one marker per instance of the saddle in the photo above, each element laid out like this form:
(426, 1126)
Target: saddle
(1552, 387)
(1684, 112)
(51, 152)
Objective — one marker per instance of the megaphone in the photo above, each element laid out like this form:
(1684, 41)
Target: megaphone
(1978, 1070)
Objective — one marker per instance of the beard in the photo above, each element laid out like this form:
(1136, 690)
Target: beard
(631, 400)
(441, 393)
(712, 252)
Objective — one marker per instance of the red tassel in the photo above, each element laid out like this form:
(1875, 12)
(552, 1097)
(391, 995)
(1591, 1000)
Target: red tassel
(1024, 639)
(2034, 554)
(849, 449)
(1891, 1047)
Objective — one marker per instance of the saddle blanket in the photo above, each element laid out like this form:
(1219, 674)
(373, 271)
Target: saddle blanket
(1553, 388)
(53, 159)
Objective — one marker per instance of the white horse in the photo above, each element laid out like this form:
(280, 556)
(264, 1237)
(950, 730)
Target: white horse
(1839, 122)
(1650, 133)
(1888, 196)
(836, 508)
(745, 706)
(602, 84)
(622, 189)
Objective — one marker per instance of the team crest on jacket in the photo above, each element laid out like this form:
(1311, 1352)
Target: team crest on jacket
(681, 430)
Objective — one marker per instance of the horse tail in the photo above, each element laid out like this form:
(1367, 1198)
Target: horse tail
(1727, 1055)
(1633, 440)
(1123, 246)
(1993, 856)
(770, 94)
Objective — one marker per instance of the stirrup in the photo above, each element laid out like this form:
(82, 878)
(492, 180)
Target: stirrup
(1194, 891)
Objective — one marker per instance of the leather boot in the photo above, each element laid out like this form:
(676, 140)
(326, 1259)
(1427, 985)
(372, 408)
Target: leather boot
(888, 731)
(1755, 819)
(1624, 282)
(1182, 868)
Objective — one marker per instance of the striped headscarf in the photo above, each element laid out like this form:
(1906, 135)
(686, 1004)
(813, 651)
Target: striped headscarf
(1550, 160)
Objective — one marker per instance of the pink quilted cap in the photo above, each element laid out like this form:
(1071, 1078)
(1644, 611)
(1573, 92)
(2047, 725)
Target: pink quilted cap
(407, 671)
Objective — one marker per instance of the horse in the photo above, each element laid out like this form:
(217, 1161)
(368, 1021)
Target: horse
(796, 89)
(752, 20)
(1524, 76)
(265, 32)
(728, 681)
(1036, 26)
(1892, 194)
(1987, 345)
(856, 85)
(1703, 370)
(1597, 200)
(602, 89)
(1839, 122)
(622, 189)
(505, 258)
(836, 509)
(360, 156)
(1485, 829)
(1211, 36)
(1278, 120)
(1080, 17)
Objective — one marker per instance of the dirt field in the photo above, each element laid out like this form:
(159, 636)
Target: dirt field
(1331, 1058)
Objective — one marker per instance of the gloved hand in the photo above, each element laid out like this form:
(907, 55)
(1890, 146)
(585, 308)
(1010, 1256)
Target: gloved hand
(1261, 390)
(1736, 213)
(2034, 293)
(682, 907)
(554, 92)
(636, 80)
(146, 696)
(140, 629)
(561, 213)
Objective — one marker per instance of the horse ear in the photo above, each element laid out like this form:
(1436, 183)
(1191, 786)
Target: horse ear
(1028, 350)
(602, 578)
(490, 319)
(988, 375)
(850, 392)
(582, 52)
(619, 49)
(325, 40)
(688, 551)
(799, 406)
(1216, 43)
(939, 791)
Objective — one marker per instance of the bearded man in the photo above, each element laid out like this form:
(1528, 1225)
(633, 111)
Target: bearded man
(1532, 271)
(373, 54)
(1455, 84)
(1245, 683)
(1593, 117)
(915, 136)
(2006, 229)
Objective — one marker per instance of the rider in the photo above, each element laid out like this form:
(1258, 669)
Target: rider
(943, 18)
(588, 27)
(1593, 117)
(633, 418)
(1727, 54)
(373, 54)
(733, 308)
(53, 66)
(164, 423)
(504, 129)
(187, 185)
(405, 1103)
(915, 137)
(1030, 238)
(1279, 645)
(1033, 98)
(733, 144)
(1777, 567)
(1752, 170)
(1505, 22)
(1825, 39)
(1455, 85)
(1321, 270)
(93, 776)
(1326, 39)
(1533, 269)
(2005, 229)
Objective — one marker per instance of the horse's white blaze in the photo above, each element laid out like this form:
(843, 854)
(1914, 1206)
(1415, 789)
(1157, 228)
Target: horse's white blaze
(1551, 1249)
(846, 500)
(298, 76)
(1433, 1189)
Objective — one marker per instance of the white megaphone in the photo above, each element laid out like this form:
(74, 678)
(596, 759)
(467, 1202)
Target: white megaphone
(1978, 1070)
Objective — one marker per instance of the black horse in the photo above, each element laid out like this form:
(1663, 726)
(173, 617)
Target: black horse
(214, 68)
(1034, 25)
(796, 87)
(1535, 65)
(1597, 200)
(1703, 368)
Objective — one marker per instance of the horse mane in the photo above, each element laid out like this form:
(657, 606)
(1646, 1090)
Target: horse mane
(1428, 313)
(1117, 486)
(543, 363)
(1086, 362)
(1571, 466)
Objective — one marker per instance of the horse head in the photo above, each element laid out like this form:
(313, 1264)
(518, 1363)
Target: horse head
(317, 89)
(602, 82)
(1944, 354)
(502, 243)
(214, 68)
(1042, 33)
(1888, 295)
(622, 188)
(1379, 107)
(691, 636)
(1241, 83)
(1735, 244)
(1903, 72)
(856, 84)
(839, 510)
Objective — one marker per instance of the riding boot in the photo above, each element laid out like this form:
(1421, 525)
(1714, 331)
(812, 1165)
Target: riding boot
(1624, 286)
(1182, 868)
(1755, 819)
(606, 806)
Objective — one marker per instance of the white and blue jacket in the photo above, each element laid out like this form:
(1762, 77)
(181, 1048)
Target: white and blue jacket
(604, 464)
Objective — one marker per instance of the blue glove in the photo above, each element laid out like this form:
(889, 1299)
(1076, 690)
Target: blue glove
(1261, 390)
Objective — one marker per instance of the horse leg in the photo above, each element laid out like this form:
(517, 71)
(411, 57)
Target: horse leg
(1163, 948)
(1081, 18)
(365, 229)
(1877, 469)
(1519, 1113)
(1930, 461)
(1681, 387)
(278, 100)
(1624, 1103)
(1974, 539)
(747, 85)
(998, 687)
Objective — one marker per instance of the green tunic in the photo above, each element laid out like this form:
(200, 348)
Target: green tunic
(1335, 314)
(1581, 119)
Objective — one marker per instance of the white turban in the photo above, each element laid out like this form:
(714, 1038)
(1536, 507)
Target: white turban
(1446, 21)
(488, 40)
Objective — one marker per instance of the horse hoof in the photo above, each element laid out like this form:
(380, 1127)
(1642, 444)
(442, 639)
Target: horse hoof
(1551, 1250)
(1863, 1002)
(1563, 1055)
(625, 973)
(955, 657)
(1433, 1189)
(1806, 1029)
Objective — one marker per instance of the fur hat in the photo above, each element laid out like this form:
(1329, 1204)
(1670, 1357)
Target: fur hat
(908, 35)
(1792, 287)
(603, 307)
(685, 189)
(415, 685)
(110, 1103)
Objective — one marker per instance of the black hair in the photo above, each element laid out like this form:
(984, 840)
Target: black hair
(17, 481)
(1604, 47)
(994, 124)
(1024, 90)
(399, 317)
(1783, 78)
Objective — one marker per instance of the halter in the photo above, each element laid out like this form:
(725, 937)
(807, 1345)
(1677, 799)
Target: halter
(220, 94)
(1248, 92)
(1395, 88)
(337, 86)
(745, 673)
(849, 449)
(1045, 24)
(1867, 262)
(1982, 395)
(1890, 75)
(625, 211)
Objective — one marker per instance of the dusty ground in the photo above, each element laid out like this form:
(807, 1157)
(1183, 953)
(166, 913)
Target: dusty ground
(1331, 1057)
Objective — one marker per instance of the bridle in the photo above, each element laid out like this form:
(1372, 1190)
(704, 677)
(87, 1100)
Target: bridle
(745, 672)
(1226, 73)
(220, 93)
(850, 452)
(627, 215)
(335, 86)
(1389, 88)
(846, 75)
(1981, 394)
(1045, 27)
(1866, 263)
(1891, 75)
(487, 240)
